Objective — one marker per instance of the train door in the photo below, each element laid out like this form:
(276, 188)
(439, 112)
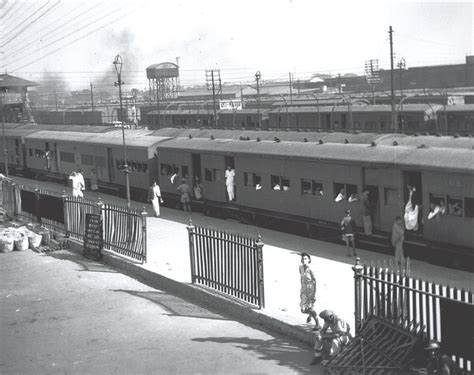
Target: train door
(413, 179)
(374, 202)
(56, 158)
(110, 164)
(230, 162)
(196, 165)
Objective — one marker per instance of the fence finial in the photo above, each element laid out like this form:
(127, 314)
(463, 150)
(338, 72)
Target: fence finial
(64, 194)
(357, 268)
(190, 223)
(99, 202)
(144, 211)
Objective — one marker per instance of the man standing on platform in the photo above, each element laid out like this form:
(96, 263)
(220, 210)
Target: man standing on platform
(229, 182)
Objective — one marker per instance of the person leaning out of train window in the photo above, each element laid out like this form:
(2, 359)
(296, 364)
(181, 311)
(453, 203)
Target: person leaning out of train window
(341, 196)
(332, 338)
(437, 210)
(353, 198)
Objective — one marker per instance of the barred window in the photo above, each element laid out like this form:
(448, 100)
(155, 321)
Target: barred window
(67, 157)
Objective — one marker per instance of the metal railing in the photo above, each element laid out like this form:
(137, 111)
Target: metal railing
(229, 263)
(391, 294)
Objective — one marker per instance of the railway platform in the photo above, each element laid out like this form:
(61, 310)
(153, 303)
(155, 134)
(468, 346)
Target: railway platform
(168, 267)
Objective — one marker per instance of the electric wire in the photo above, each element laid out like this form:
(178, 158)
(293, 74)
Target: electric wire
(8, 10)
(26, 26)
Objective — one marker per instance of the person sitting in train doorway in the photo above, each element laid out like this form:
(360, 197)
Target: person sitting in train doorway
(230, 182)
(366, 212)
(154, 196)
(185, 191)
(333, 337)
(197, 188)
(398, 236)
(347, 229)
(411, 212)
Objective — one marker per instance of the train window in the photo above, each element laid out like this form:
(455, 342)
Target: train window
(305, 186)
(145, 168)
(175, 169)
(30, 152)
(163, 169)
(275, 182)
(246, 179)
(285, 183)
(257, 181)
(184, 171)
(87, 159)
(66, 157)
(317, 188)
(339, 192)
(351, 193)
(455, 206)
(208, 175)
(469, 207)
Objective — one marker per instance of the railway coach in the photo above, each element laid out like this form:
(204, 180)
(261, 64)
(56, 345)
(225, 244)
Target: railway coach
(293, 184)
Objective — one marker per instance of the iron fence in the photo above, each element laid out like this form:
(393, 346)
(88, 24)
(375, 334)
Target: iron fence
(229, 263)
(445, 313)
(125, 231)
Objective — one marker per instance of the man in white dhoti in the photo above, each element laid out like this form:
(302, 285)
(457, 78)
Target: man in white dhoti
(229, 182)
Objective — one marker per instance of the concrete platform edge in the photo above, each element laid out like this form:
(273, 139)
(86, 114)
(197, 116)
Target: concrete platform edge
(204, 297)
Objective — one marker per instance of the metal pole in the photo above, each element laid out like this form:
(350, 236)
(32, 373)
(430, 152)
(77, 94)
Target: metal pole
(357, 268)
(394, 126)
(257, 78)
(125, 166)
(3, 136)
(158, 101)
(92, 104)
(291, 89)
(401, 65)
(214, 99)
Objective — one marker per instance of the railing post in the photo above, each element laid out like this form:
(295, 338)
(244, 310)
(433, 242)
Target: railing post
(190, 228)
(65, 213)
(144, 214)
(15, 201)
(261, 290)
(100, 205)
(357, 268)
(37, 206)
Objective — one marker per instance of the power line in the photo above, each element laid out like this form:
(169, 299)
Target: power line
(75, 17)
(100, 18)
(36, 19)
(74, 40)
(8, 10)
(12, 16)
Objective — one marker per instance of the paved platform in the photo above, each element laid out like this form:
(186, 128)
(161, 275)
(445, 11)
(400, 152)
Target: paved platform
(168, 263)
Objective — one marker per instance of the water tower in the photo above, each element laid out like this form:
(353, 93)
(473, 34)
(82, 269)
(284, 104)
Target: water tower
(163, 81)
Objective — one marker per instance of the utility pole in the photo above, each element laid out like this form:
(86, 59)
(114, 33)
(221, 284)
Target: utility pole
(211, 77)
(92, 104)
(258, 76)
(401, 66)
(3, 136)
(241, 97)
(291, 88)
(394, 124)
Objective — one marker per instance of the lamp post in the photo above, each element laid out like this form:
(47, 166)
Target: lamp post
(3, 136)
(118, 68)
(401, 65)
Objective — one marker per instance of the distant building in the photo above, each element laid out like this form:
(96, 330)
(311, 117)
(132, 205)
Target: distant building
(16, 105)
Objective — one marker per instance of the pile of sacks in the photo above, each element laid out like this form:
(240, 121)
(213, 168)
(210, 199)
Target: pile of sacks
(22, 238)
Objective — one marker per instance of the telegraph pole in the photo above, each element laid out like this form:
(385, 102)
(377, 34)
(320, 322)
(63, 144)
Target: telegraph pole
(211, 76)
(291, 88)
(257, 78)
(401, 66)
(3, 136)
(394, 125)
(92, 104)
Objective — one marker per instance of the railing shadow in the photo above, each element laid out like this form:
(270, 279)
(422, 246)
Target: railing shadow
(87, 265)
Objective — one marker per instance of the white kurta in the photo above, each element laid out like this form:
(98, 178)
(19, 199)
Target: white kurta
(156, 198)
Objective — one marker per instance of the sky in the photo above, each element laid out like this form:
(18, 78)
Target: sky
(77, 41)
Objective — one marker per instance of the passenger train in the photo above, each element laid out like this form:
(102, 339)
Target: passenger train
(284, 180)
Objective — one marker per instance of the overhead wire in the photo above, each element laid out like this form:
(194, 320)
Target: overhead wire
(8, 10)
(11, 18)
(74, 17)
(42, 47)
(26, 26)
(75, 40)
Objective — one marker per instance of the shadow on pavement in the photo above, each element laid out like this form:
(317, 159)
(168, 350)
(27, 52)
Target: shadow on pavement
(87, 265)
(285, 354)
(174, 305)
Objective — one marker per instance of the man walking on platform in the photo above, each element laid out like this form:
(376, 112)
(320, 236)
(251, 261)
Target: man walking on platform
(347, 229)
(185, 191)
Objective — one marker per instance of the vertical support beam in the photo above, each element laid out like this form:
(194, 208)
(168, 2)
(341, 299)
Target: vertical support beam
(16, 204)
(394, 125)
(144, 214)
(37, 206)
(261, 288)
(65, 213)
(190, 229)
(357, 268)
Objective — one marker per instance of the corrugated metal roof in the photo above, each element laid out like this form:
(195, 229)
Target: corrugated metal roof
(431, 158)
(382, 108)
